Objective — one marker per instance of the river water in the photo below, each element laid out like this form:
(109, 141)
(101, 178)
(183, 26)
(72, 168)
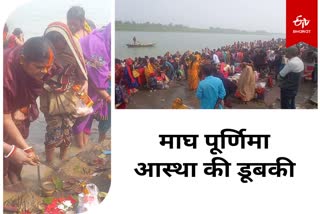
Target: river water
(177, 41)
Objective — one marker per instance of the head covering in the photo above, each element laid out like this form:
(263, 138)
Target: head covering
(73, 52)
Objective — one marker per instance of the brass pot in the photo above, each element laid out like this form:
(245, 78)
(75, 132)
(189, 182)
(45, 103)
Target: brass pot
(48, 188)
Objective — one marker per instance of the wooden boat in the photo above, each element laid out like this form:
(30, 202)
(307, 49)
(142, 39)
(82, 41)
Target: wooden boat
(141, 45)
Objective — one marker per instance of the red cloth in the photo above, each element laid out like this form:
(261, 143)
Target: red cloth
(122, 106)
(130, 74)
(19, 89)
(129, 62)
(142, 78)
(5, 34)
(118, 73)
(239, 56)
(308, 72)
(12, 41)
(222, 71)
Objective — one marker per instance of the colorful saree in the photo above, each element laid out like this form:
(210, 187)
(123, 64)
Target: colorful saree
(148, 71)
(59, 126)
(20, 92)
(193, 73)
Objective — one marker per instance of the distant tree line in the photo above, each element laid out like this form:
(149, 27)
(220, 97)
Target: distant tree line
(157, 27)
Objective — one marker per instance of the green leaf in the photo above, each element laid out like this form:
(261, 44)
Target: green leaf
(75, 197)
(102, 156)
(58, 183)
(48, 200)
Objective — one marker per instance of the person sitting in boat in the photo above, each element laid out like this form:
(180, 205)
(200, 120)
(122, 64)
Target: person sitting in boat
(134, 40)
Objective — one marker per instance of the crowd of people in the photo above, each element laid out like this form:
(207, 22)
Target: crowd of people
(68, 69)
(268, 61)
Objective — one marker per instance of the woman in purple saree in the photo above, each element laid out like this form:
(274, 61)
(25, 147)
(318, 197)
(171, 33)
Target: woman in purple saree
(96, 51)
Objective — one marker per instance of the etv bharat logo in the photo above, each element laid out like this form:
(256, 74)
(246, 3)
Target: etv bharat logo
(303, 22)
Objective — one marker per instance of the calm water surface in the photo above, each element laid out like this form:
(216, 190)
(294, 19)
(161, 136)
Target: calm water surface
(177, 41)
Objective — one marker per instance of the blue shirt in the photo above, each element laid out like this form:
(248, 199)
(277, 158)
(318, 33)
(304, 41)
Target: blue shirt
(171, 68)
(209, 91)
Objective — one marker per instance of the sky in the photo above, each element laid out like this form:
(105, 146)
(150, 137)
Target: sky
(33, 17)
(248, 15)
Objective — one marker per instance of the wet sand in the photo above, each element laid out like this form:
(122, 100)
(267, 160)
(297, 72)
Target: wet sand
(162, 99)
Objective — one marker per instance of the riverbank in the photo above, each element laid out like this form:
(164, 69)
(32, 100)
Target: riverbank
(162, 99)
(153, 27)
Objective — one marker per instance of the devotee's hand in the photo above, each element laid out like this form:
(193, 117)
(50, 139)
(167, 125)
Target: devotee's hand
(35, 158)
(21, 157)
(84, 87)
(108, 98)
(220, 102)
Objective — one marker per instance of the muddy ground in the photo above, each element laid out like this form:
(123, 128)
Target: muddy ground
(79, 166)
(162, 99)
